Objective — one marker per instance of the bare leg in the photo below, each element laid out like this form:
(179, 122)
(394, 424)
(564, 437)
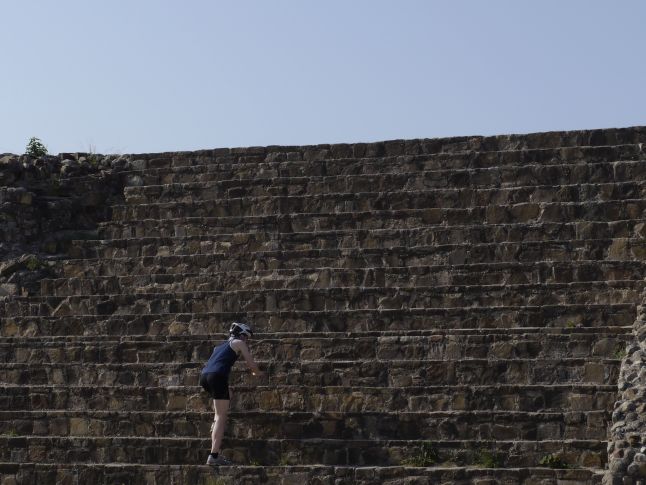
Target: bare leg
(221, 408)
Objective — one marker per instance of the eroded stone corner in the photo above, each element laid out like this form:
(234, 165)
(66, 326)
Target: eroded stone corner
(627, 440)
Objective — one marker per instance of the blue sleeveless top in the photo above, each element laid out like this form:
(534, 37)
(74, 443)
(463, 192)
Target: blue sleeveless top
(221, 360)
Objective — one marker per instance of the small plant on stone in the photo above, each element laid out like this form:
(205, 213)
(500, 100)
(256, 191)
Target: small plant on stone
(487, 459)
(571, 324)
(35, 148)
(92, 158)
(254, 463)
(12, 432)
(620, 354)
(426, 456)
(33, 264)
(553, 461)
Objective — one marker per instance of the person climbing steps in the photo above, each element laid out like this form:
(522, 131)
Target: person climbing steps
(214, 378)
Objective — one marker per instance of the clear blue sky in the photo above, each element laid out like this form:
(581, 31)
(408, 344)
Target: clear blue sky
(145, 76)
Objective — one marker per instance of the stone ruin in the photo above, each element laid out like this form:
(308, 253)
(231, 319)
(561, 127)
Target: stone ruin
(440, 311)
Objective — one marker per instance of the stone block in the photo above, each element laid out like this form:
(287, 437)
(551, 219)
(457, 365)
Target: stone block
(26, 198)
(8, 289)
(176, 403)
(78, 426)
(595, 373)
(581, 402)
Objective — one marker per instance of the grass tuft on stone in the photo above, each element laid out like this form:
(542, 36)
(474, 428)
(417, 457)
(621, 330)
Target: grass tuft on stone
(426, 456)
(487, 459)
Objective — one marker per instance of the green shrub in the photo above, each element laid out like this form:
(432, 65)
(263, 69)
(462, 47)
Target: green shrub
(35, 148)
(553, 461)
(620, 354)
(33, 263)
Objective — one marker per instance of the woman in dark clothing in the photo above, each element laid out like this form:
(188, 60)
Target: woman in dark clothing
(215, 380)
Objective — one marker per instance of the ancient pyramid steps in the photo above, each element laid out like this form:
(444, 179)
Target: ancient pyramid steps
(250, 475)
(165, 187)
(224, 277)
(330, 299)
(620, 249)
(568, 235)
(363, 425)
(344, 452)
(202, 202)
(610, 317)
(391, 373)
(238, 259)
(374, 345)
(381, 346)
(471, 296)
(515, 397)
(429, 204)
(299, 165)
(527, 213)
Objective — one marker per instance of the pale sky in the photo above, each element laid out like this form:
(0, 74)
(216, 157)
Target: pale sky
(163, 75)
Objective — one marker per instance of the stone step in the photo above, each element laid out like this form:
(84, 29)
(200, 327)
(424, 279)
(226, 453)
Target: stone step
(241, 259)
(378, 425)
(563, 317)
(558, 180)
(547, 398)
(628, 213)
(494, 345)
(312, 162)
(60, 449)
(521, 241)
(305, 270)
(533, 197)
(338, 299)
(390, 373)
(162, 474)
(400, 174)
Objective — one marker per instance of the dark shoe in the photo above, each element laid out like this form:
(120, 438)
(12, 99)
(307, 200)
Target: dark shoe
(220, 460)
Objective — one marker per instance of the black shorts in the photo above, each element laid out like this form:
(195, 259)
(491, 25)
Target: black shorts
(217, 385)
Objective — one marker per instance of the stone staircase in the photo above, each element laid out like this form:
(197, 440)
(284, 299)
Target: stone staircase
(429, 311)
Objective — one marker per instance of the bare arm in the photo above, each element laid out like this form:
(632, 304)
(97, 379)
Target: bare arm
(241, 347)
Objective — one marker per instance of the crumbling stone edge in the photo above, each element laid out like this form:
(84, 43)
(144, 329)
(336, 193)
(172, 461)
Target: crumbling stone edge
(47, 202)
(627, 439)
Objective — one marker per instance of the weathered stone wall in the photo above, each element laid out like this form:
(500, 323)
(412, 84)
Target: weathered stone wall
(44, 204)
(541, 398)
